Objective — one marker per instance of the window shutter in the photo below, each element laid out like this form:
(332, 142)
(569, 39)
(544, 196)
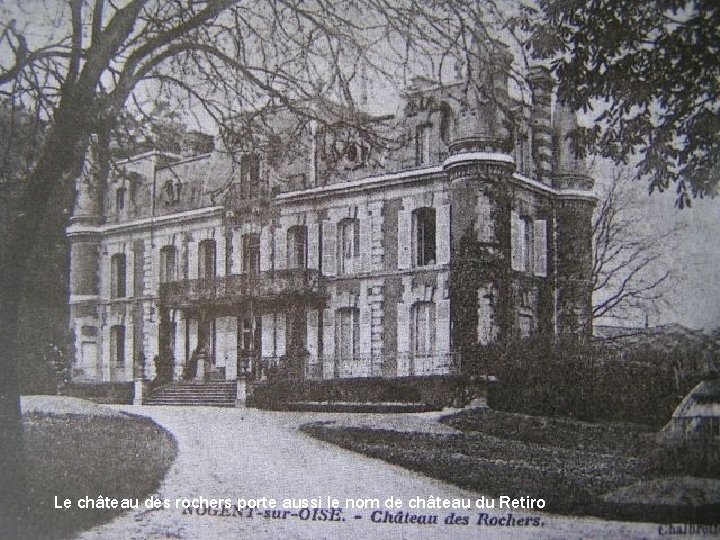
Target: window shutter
(403, 329)
(281, 246)
(356, 238)
(268, 336)
(540, 247)
(442, 330)
(312, 334)
(280, 334)
(403, 339)
(237, 252)
(515, 241)
(312, 245)
(442, 234)
(328, 352)
(365, 330)
(127, 264)
(365, 243)
(404, 239)
(266, 239)
(328, 248)
(220, 254)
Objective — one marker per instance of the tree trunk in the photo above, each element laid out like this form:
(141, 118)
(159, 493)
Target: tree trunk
(61, 155)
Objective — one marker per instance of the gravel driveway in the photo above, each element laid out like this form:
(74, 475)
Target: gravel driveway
(244, 453)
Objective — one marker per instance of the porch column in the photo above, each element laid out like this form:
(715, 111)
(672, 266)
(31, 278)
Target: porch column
(163, 364)
(179, 352)
(203, 359)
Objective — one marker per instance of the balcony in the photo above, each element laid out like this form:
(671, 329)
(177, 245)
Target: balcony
(279, 285)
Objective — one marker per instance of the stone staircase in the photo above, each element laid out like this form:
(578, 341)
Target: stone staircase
(208, 393)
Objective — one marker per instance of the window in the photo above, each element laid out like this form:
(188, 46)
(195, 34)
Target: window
(118, 276)
(348, 244)
(423, 329)
(251, 254)
(206, 259)
(117, 345)
(424, 236)
(540, 247)
(526, 325)
(120, 194)
(167, 264)
(297, 247)
(422, 145)
(347, 333)
(171, 192)
(529, 245)
(249, 334)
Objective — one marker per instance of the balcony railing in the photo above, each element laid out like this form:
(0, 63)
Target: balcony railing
(273, 285)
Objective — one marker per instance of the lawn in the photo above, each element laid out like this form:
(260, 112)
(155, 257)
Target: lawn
(570, 464)
(74, 455)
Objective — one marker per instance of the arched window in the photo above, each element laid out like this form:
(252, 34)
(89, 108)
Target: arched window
(206, 259)
(424, 236)
(118, 276)
(297, 247)
(251, 253)
(422, 331)
(168, 261)
(348, 245)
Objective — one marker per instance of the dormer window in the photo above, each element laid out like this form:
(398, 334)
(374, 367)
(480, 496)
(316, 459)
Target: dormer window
(171, 192)
(120, 196)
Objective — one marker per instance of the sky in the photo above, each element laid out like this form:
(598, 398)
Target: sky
(692, 295)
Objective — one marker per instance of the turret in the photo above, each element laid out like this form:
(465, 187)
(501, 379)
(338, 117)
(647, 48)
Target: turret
(574, 213)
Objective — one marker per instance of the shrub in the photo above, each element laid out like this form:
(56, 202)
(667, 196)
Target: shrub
(584, 381)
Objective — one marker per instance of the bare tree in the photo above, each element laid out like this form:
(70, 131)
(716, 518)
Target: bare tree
(630, 268)
(73, 67)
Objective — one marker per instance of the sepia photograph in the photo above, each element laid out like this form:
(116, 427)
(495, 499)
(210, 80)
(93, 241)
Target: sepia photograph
(359, 269)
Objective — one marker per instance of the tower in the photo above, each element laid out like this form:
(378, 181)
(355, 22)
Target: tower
(84, 239)
(574, 214)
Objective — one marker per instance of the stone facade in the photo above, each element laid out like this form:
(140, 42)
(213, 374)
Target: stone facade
(345, 259)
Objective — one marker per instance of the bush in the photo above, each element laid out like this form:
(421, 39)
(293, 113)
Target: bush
(584, 381)
(436, 390)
